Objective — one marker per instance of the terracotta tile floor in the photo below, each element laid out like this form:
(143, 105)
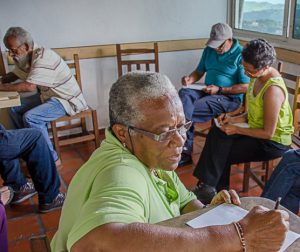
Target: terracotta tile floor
(24, 221)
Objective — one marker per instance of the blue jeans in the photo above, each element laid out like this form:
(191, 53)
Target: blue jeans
(201, 107)
(34, 114)
(285, 181)
(30, 145)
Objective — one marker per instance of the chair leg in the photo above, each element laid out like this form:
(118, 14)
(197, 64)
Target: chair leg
(55, 138)
(247, 167)
(96, 130)
(269, 167)
(83, 126)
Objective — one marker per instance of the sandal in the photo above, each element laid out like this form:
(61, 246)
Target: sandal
(11, 195)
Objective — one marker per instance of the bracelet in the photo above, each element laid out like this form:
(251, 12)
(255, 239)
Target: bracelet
(240, 231)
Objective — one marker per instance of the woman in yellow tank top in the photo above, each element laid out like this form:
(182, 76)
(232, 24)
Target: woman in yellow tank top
(269, 120)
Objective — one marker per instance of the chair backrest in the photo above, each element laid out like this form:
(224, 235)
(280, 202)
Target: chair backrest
(129, 63)
(2, 66)
(294, 91)
(75, 65)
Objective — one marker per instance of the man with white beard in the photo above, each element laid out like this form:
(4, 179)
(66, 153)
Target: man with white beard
(39, 68)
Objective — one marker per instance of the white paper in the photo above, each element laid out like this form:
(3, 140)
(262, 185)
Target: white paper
(5, 95)
(242, 124)
(226, 214)
(196, 86)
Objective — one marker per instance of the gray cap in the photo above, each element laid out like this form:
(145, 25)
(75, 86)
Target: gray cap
(218, 34)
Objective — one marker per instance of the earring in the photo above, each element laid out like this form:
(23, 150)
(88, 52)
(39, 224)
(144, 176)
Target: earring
(124, 145)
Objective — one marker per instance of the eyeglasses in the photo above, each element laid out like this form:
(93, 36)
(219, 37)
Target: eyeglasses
(221, 47)
(165, 135)
(252, 72)
(14, 50)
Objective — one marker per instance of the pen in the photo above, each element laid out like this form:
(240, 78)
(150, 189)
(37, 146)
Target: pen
(277, 203)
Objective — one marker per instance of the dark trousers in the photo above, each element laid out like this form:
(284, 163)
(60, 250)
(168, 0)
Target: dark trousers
(3, 229)
(221, 151)
(30, 145)
(201, 107)
(285, 181)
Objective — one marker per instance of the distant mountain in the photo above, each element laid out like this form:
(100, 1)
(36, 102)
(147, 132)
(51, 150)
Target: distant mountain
(272, 14)
(250, 6)
(263, 17)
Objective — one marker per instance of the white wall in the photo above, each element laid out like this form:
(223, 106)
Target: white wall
(65, 23)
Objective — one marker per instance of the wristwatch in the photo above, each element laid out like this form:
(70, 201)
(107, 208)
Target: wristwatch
(220, 91)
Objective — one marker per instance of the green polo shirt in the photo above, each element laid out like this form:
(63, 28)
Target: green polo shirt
(114, 186)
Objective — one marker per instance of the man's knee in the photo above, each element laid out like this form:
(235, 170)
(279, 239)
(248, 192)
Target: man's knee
(30, 118)
(182, 93)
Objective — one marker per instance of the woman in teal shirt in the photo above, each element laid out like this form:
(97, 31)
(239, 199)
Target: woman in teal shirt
(269, 118)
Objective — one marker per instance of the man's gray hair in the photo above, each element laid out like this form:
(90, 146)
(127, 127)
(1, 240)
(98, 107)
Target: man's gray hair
(20, 34)
(129, 92)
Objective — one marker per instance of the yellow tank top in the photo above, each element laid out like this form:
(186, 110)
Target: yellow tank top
(284, 127)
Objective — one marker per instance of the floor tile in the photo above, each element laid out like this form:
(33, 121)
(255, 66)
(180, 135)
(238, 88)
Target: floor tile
(19, 246)
(23, 228)
(50, 220)
(13, 211)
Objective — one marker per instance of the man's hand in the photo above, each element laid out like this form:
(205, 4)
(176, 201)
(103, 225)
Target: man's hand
(264, 229)
(230, 197)
(186, 80)
(211, 89)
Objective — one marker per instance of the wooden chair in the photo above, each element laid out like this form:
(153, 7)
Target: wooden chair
(295, 92)
(77, 121)
(259, 174)
(123, 58)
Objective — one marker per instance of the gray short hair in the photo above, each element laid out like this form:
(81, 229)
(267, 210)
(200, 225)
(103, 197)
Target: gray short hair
(130, 90)
(20, 34)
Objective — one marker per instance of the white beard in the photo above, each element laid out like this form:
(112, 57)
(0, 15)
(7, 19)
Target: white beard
(23, 62)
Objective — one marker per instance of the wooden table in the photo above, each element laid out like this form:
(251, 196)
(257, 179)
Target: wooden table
(247, 203)
(9, 99)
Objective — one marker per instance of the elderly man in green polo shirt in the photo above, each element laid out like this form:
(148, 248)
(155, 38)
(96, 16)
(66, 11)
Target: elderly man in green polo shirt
(129, 183)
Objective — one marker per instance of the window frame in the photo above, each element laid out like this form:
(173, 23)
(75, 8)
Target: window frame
(284, 41)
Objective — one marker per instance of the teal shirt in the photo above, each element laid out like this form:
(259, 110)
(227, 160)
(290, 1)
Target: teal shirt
(225, 69)
(114, 186)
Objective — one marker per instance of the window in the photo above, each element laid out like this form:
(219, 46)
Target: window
(265, 16)
(275, 20)
(296, 30)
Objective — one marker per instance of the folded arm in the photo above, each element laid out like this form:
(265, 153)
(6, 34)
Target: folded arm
(19, 87)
